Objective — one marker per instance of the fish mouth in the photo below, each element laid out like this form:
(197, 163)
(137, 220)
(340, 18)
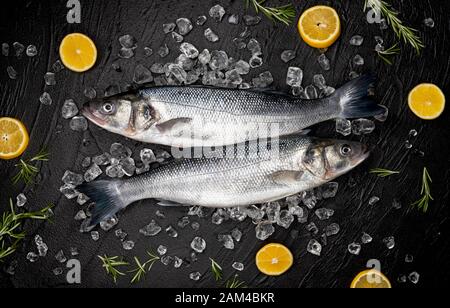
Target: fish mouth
(365, 153)
(89, 114)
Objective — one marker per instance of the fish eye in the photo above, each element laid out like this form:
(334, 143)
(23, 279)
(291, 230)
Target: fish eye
(108, 108)
(346, 150)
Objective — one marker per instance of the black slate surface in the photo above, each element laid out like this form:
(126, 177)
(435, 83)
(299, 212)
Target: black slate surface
(425, 236)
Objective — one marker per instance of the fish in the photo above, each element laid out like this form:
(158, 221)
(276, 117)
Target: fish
(187, 117)
(258, 173)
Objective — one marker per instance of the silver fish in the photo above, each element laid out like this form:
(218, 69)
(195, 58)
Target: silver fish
(207, 117)
(295, 164)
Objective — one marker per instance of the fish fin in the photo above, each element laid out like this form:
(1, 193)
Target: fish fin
(270, 91)
(287, 177)
(171, 124)
(107, 198)
(167, 203)
(354, 101)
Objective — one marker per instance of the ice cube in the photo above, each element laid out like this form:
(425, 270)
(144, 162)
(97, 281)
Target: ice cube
(379, 40)
(255, 61)
(358, 60)
(109, 223)
(312, 227)
(183, 222)
(396, 204)
(309, 198)
(226, 240)
(233, 19)
(362, 126)
(5, 49)
(126, 53)
(255, 213)
(163, 51)
(32, 257)
(288, 55)
(264, 80)
(264, 230)
(195, 276)
(50, 79)
(217, 12)
(112, 90)
(177, 37)
(166, 260)
(184, 26)
(19, 48)
(294, 77)
(244, 86)
(119, 151)
(119, 233)
(343, 127)
(297, 91)
(90, 93)
(408, 145)
(366, 238)
(72, 178)
(81, 215)
(204, 57)
(189, 50)
(324, 62)
(319, 81)
(414, 277)
(128, 245)
(60, 257)
(58, 271)
(285, 219)
(354, 248)
(38, 240)
(157, 68)
(148, 51)
(238, 266)
(12, 73)
(429, 22)
(101, 160)
(239, 43)
(92, 173)
(171, 232)
(353, 75)
(42, 249)
(251, 20)
(382, 117)
(329, 190)
(198, 244)
(147, 156)
(45, 99)
(177, 72)
(254, 47)
(219, 60)
(151, 229)
(68, 190)
(21, 200)
(167, 28)
(115, 171)
(74, 251)
(128, 166)
(273, 211)
(295, 210)
(69, 109)
(95, 236)
(142, 74)
(311, 92)
(211, 36)
(389, 242)
(57, 66)
(314, 247)
(236, 234)
(193, 257)
(242, 67)
(201, 20)
(233, 77)
(374, 200)
(195, 226)
(409, 258)
(78, 124)
(383, 24)
(324, 214)
(177, 262)
(128, 41)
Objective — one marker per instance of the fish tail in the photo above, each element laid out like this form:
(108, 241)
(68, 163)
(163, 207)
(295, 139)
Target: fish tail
(107, 197)
(354, 101)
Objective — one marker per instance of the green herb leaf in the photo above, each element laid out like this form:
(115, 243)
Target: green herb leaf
(140, 270)
(27, 170)
(284, 14)
(383, 173)
(234, 283)
(216, 270)
(423, 203)
(386, 54)
(111, 265)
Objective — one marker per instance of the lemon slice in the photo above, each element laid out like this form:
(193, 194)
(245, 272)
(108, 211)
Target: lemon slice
(320, 26)
(13, 138)
(78, 52)
(274, 259)
(371, 279)
(427, 101)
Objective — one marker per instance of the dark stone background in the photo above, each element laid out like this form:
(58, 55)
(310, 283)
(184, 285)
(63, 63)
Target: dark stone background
(423, 235)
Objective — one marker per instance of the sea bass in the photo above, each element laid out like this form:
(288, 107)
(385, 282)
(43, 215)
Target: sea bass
(207, 117)
(295, 164)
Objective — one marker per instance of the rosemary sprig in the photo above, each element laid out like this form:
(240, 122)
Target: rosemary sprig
(234, 283)
(284, 14)
(423, 203)
(383, 173)
(10, 228)
(27, 170)
(111, 265)
(385, 54)
(140, 270)
(216, 270)
(407, 34)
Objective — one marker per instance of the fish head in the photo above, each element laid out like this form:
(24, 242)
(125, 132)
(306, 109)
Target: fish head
(124, 114)
(329, 159)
